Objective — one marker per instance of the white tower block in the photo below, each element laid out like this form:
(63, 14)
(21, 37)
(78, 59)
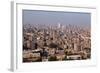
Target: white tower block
(59, 25)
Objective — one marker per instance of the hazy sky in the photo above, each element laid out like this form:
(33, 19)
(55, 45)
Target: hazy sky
(53, 17)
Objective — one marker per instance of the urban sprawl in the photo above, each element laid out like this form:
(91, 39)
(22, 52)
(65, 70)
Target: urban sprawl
(55, 42)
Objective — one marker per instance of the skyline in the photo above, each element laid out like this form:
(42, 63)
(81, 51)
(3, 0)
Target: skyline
(55, 17)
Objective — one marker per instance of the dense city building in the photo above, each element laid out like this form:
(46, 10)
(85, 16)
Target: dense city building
(55, 42)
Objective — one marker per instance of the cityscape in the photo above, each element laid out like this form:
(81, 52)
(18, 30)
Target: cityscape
(55, 41)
